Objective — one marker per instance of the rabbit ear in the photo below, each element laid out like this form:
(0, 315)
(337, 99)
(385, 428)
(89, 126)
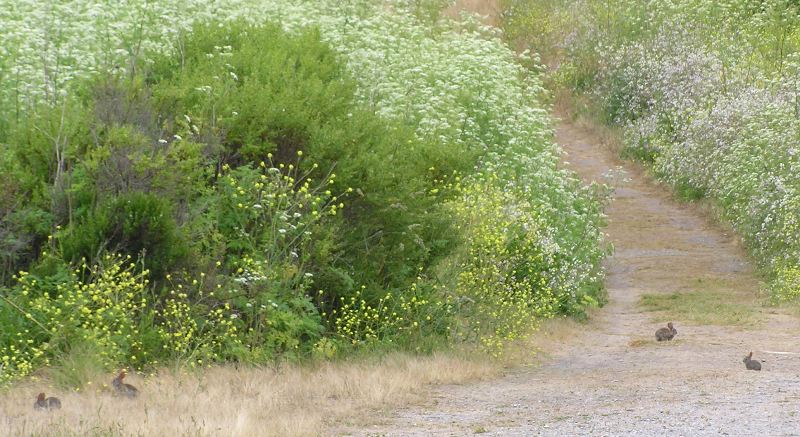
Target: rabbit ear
(40, 397)
(751, 355)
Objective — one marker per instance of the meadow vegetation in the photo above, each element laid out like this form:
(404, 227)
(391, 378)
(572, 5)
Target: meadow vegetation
(193, 183)
(707, 95)
(704, 307)
(225, 400)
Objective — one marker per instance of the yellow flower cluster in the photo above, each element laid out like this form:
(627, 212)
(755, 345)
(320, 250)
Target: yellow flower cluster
(103, 311)
(108, 310)
(191, 332)
(18, 358)
(358, 322)
(275, 205)
(786, 285)
(502, 290)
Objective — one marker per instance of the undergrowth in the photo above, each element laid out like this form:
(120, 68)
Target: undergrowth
(706, 93)
(225, 189)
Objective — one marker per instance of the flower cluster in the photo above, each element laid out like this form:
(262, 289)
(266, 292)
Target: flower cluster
(504, 285)
(196, 331)
(103, 312)
(394, 316)
(707, 92)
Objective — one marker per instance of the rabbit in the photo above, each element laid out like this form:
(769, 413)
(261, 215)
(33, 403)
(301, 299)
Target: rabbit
(750, 363)
(666, 333)
(123, 389)
(43, 403)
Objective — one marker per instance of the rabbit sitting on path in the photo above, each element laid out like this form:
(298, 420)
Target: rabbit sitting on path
(750, 363)
(666, 333)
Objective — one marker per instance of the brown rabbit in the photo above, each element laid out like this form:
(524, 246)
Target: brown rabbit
(43, 403)
(666, 333)
(750, 363)
(123, 389)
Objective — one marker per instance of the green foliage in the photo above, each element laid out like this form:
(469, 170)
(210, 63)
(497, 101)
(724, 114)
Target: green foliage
(57, 314)
(250, 192)
(315, 114)
(74, 367)
(786, 286)
(194, 330)
(277, 231)
(536, 25)
(102, 315)
(134, 223)
(707, 95)
(687, 191)
(218, 211)
(416, 318)
(226, 75)
(703, 307)
(503, 287)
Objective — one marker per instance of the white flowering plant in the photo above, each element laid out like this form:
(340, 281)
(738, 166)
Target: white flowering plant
(707, 93)
(416, 116)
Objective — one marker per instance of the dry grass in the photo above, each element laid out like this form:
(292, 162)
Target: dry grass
(639, 342)
(296, 400)
(554, 333)
(225, 401)
(549, 339)
(489, 9)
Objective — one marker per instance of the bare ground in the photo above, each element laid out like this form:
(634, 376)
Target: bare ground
(612, 377)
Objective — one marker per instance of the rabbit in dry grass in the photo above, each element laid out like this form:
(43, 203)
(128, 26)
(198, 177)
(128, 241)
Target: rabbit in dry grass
(123, 389)
(666, 333)
(750, 363)
(43, 403)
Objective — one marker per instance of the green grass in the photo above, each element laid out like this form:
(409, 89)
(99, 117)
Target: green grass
(76, 367)
(703, 307)
(688, 192)
(639, 154)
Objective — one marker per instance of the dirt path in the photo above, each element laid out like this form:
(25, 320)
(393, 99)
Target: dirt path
(613, 378)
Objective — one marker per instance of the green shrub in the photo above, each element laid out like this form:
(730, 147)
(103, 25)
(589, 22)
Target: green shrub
(141, 225)
(277, 227)
(786, 285)
(58, 315)
(272, 95)
(503, 287)
(285, 193)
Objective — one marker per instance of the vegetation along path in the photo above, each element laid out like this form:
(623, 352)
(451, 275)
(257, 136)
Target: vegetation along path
(613, 378)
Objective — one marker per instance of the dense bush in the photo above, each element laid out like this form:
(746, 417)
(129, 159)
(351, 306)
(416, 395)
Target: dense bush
(316, 115)
(261, 192)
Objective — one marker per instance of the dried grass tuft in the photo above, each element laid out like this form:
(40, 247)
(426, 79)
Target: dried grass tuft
(224, 401)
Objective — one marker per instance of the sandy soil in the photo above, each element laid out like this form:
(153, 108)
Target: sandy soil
(612, 377)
